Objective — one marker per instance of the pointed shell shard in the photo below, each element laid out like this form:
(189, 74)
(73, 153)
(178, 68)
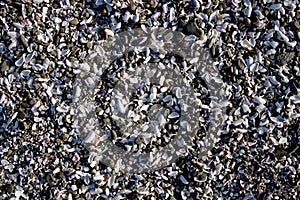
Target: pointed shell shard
(295, 99)
(20, 61)
(173, 115)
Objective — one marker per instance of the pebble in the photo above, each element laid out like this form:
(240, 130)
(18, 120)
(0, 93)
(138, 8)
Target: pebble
(75, 22)
(5, 65)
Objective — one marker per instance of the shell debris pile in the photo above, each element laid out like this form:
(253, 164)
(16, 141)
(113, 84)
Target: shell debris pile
(255, 45)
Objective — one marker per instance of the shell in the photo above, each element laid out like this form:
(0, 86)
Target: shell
(21, 60)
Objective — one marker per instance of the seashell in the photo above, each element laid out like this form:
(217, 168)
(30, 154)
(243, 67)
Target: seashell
(295, 99)
(247, 2)
(134, 80)
(163, 89)
(273, 80)
(275, 6)
(46, 62)
(273, 44)
(173, 115)
(90, 82)
(99, 2)
(259, 100)
(38, 1)
(248, 11)
(218, 169)
(245, 108)
(11, 78)
(90, 11)
(121, 106)
(238, 122)
(196, 4)
(89, 20)
(190, 38)
(269, 35)
(172, 14)
(25, 73)
(65, 52)
(213, 15)
(51, 47)
(57, 20)
(12, 34)
(167, 98)
(178, 93)
(279, 119)
(282, 140)
(136, 18)
(62, 109)
(165, 8)
(236, 2)
(13, 45)
(281, 36)
(4, 162)
(139, 41)
(291, 34)
(38, 67)
(155, 16)
(20, 61)
(83, 40)
(30, 56)
(292, 44)
(2, 100)
(183, 180)
(109, 32)
(173, 173)
(18, 25)
(108, 2)
(246, 44)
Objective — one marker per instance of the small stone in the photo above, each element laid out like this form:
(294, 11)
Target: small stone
(282, 140)
(9, 188)
(133, 6)
(50, 69)
(75, 21)
(297, 24)
(89, 45)
(53, 53)
(65, 137)
(139, 140)
(248, 21)
(49, 178)
(5, 66)
(153, 3)
(21, 114)
(213, 51)
(241, 65)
